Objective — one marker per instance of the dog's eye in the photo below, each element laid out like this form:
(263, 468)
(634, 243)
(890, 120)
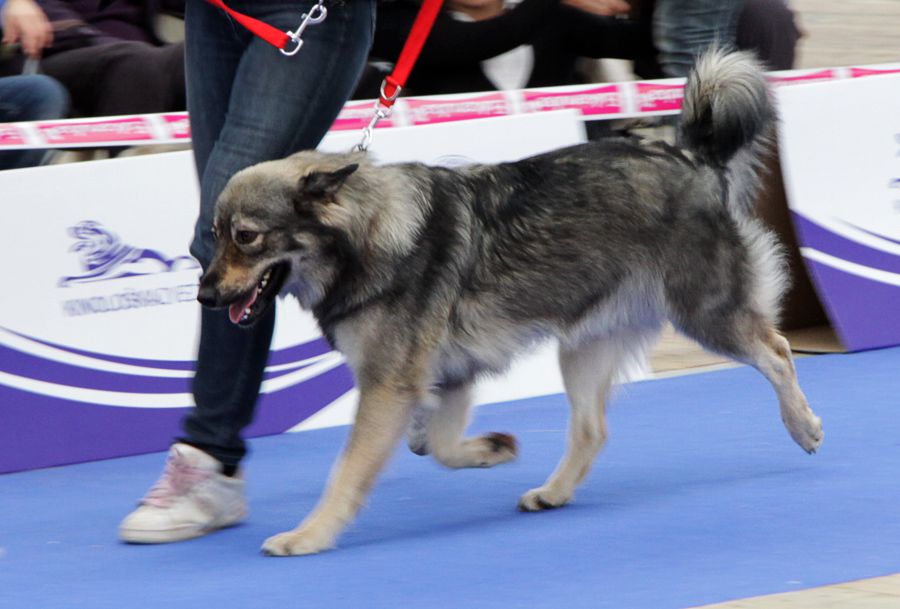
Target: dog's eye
(215, 234)
(245, 237)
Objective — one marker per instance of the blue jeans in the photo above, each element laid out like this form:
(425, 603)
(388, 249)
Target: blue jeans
(29, 98)
(248, 103)
(682, 29)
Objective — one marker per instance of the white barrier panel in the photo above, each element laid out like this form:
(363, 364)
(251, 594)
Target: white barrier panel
(840, 157)
(595, 101)
(100, 318)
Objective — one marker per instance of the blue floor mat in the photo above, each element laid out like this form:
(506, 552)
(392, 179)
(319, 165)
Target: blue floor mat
(699, 497)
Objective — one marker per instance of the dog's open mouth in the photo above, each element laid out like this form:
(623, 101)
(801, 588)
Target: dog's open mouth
(250, 307)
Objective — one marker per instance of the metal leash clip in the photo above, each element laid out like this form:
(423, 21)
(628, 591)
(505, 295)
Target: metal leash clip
(369, 131)
(315, 16)
(383, 107)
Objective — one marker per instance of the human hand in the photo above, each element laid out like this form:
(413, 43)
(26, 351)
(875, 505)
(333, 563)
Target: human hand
(603, 8)
(24, 21)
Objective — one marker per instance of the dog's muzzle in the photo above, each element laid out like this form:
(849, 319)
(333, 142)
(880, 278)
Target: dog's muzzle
(208, 295)
(244, 308)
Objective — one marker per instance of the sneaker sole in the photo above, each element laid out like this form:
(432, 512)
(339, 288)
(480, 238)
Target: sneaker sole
(156, 536)
(144, 537)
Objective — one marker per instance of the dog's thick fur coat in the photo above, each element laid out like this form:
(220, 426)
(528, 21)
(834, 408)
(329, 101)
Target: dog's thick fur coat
(427, 278)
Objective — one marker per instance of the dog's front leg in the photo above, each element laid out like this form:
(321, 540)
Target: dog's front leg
(383, 414)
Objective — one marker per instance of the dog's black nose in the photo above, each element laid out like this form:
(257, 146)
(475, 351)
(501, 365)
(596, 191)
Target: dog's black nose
(207, 296)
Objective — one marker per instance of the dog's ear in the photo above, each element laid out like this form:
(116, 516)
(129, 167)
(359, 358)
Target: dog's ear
(324, 184)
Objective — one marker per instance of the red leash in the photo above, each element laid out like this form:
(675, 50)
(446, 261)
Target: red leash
(278, 39)
(392, 84)
(272, 35)
(396, 80)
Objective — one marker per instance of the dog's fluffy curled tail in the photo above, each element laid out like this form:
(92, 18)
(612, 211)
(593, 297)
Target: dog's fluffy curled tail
(727, 119)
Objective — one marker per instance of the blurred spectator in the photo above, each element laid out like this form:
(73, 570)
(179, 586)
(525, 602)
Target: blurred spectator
(23, 23)
(684, 28)
(27, 98)
(111, 61)
(768, 28)
(479, 45)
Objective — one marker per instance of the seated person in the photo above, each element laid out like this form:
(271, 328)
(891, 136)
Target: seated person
(111, 61)
(683, 28)
(27, 97)
(480, 45)
(768, 28)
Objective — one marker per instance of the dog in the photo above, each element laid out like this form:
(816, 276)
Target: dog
(427, 278)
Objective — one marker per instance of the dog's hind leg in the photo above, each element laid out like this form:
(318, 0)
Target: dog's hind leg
(417, 431)
(749, 338)
(446, 426)
(588, 372)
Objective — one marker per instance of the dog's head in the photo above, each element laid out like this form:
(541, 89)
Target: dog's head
(280, 223)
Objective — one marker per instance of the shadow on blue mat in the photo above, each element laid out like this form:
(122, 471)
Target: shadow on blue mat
(700, 496)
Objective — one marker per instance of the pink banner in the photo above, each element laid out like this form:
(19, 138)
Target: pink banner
(11, 135)
(179, 126)
(659, 98)
(858, 72)
(808, 77)
(606, 99)
(428, 110)
(603, 100)
(131, 129)
(356, 116)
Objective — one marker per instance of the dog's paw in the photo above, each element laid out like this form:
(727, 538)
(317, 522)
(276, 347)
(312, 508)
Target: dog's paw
(493, 449)
(296, 543)
(806, 430)
(484, 451)
(542, 498)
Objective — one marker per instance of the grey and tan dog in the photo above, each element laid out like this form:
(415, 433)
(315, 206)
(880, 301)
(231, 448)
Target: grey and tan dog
(427, 278)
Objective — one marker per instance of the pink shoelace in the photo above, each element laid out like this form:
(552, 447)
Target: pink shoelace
(177, 479)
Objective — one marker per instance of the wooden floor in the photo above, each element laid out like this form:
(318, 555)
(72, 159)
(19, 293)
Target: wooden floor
(875, 593)
(836, 33)
(847, 32)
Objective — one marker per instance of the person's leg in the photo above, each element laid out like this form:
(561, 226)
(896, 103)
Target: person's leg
(146, 79)
(248, 103)
(682, 29)
(29, 98)
(125, 77)
(277, 105)
(768, 28)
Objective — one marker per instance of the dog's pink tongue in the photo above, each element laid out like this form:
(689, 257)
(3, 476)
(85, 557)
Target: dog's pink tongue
(236, 311)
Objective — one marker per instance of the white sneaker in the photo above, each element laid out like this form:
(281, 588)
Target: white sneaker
(192, 498)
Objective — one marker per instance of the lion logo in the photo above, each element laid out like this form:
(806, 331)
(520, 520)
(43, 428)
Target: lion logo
(104, 256)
